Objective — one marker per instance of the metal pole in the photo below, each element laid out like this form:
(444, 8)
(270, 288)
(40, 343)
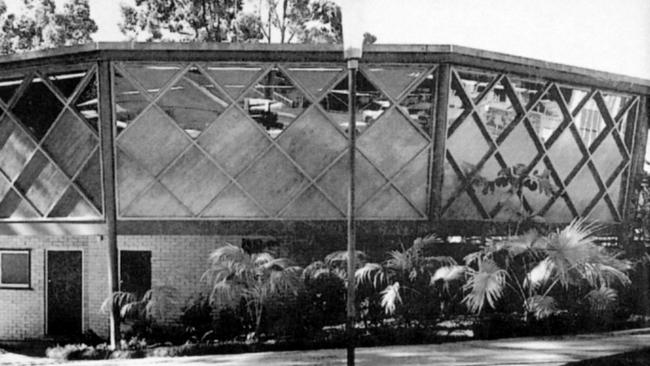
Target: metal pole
(108, 165)
(353, 64)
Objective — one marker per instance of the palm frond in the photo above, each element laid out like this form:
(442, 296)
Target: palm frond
(448, 274)
(602, 299)
(539, 275)
(117, 301)
(370, 273)
(340, 258)
(390, 297)
(484, 285)
(541, 306)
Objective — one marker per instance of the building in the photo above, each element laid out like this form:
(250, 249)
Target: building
(174, 149)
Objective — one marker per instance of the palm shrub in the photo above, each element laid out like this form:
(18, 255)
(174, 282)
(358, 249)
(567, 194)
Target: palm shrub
(413, 287)
(252, 280)
(544, 273)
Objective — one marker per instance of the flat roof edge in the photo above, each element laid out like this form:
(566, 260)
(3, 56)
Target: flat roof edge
(315, 48)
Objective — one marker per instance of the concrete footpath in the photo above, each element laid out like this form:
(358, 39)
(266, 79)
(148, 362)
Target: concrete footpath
(513, 351)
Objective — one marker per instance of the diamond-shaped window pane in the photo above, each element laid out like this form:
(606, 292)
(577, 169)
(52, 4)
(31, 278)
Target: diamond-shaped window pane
(496, 109)
(16, 147)
(526, 90)
(607, 157)
(194, 102)
(546, 115)
(475, 82)
(394, 80)
(87, 104)
(467, 144)
(463, 208)
(70, 143)
(67, 83)
(315, 79)
(37, 108)
(152, 77)
(559, 212)
(616, 103)
(41, 182)
(518, 147)
(73, 205)
(589, 122)
(13, 206)
(602, 213)
(582, 189)
(234, 79)
(8, 88)
(153, 140)
(313, 142)
(371, 104)
(573, 96)
(627, 119)
(274, 102)
(129, 102)
(565, 154)
(418, 103)
(194, 180)
(89, 180)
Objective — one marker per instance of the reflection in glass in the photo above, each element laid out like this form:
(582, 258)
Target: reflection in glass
(8, 88)
(193, 102)
(274, 102)
(371, 104)
(86, 103)
(67, 83)
(129, 102)
(37, 108)
(233, 79)
(546, 116)
(418, 104)
(315, 79)
(589, 122)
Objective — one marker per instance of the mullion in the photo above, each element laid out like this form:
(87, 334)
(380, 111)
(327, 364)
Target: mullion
(468, 107)
(406, 93)
(390, 181)
(463, 188)
(77, 93)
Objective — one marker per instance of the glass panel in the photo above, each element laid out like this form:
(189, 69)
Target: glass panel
(582, 189)
(413, 179)
(232, 202)
(518, 147)
(573, 96)
(602, 213)
(589, 122)
(539, 189)
(15, 207)
(607, 157)
(157, 201)
(68, 82)
(8, 88)
(70, 143)
(388, 203)
(86, 103)
(152, 77)
(315, 79)
(41, 182)
(37, 108)
(89, 181)
(546, 116)
(463, 208)
(15, 268)
(371, 104)
(234, 79)
(616, 103)
(628, 118)
(274, 102)
(194, 102)
(457, 105)
(467, 144)
(129, 102)
(393, 80)
(72, 205)
(526, 90)
(559, 212)
(418, 104)
(475, 82)
(15, 148)
(565, 154)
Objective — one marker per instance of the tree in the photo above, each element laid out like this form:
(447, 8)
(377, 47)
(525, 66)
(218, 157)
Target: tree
(237, 277)
(41, 26)
(283, 21)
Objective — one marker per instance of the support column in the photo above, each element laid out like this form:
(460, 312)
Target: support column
(439, 141)
(105, 102)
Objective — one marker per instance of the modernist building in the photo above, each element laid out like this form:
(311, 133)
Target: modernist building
(176, 149)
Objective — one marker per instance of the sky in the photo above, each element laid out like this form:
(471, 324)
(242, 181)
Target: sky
(606, 35)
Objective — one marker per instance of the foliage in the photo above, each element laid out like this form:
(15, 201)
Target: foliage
(237, 277)
(542, 270)
(82, 351)
(510, 183)
(41, 26)
(415, 286)
(283, 21)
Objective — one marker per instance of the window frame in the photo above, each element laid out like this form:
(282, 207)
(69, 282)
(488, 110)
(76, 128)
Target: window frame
(17, 286)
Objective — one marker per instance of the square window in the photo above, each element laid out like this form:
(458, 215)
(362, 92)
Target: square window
(14, 268)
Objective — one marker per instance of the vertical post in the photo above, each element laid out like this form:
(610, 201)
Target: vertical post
(353, 64)
(439, 141)
(105, 102)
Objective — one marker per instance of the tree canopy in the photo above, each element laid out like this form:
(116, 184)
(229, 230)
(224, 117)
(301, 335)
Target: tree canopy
(40, 25)
(281, 21)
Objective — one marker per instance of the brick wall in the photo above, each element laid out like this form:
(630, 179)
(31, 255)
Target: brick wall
(176, 261)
